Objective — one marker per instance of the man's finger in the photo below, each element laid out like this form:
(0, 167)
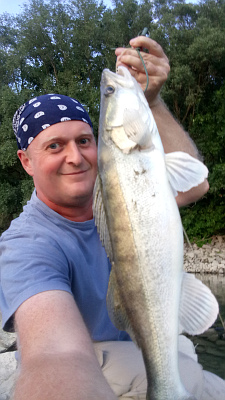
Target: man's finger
(151, 45)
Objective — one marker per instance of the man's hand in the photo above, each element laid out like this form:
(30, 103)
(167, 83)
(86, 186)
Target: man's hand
(156, 63)
(172, 134)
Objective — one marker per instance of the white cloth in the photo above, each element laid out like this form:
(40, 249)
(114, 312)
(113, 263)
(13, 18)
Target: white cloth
(123, 367)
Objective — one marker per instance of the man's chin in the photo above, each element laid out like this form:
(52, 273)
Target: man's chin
(81, 199)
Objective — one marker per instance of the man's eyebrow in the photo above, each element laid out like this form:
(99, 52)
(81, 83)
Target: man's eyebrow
(50, 139)
(65, 137)
(85, 133)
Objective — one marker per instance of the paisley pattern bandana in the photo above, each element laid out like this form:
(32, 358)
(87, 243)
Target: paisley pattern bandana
(43, 111)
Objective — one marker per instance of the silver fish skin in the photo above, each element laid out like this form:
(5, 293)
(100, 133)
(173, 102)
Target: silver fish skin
(140, 226)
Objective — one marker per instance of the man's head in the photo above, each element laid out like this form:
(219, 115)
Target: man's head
(58, 151)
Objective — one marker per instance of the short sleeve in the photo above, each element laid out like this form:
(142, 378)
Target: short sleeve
(30, 264)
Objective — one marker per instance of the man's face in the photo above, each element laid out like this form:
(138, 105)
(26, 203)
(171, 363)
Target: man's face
(62, 160)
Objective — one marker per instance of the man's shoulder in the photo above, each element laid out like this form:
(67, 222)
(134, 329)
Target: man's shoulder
(29, 219)
(30, 228)
(38, 223)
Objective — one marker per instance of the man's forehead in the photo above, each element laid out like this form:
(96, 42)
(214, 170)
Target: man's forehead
(63, 130)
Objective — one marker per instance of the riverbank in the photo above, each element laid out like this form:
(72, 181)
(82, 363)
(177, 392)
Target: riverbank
(208, 259)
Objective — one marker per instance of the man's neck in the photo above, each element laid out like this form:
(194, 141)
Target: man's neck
(77, 213)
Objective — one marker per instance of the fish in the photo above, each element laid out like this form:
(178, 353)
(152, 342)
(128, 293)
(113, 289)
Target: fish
(138, 220)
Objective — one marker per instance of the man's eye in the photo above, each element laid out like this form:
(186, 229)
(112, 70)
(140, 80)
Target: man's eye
(54, 146)
(84, 141)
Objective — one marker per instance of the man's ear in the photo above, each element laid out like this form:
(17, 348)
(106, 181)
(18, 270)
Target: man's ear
(25, 161)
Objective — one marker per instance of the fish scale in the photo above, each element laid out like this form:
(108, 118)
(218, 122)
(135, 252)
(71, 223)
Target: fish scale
(139, 224)
(151, 266)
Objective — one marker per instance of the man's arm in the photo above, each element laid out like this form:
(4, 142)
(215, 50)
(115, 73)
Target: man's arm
(173, 136)
(57, 356)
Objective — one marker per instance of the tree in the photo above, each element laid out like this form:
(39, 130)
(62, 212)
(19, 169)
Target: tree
(56, 46)
(195, 93)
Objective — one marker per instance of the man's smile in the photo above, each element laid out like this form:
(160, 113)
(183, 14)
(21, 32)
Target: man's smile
(75, 173)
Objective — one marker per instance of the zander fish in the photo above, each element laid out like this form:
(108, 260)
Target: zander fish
(149, 295)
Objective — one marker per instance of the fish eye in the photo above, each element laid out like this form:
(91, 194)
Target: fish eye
(109, 90)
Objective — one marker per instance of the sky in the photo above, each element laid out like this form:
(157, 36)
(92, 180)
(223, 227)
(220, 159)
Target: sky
(11, 6)
(14, 6)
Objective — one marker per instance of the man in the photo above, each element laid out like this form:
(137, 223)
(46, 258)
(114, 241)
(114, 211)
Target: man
(54, 269)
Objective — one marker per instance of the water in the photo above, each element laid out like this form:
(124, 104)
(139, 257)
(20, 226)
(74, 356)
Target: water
(210, 346)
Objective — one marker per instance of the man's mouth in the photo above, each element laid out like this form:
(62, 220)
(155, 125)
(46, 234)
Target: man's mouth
(75, 172)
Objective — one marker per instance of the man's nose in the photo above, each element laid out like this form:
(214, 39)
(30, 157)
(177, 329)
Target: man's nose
(73, 154)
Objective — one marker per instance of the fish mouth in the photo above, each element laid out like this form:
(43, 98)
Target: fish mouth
(123, 71)
(122, 76)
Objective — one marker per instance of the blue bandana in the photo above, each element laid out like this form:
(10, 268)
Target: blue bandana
(43, 111)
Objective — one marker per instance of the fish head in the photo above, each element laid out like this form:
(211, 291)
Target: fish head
(125, 117)
(118, 91)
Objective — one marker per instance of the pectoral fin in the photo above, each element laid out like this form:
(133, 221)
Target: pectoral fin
(184, 171)
(198, 306)
(136, 128)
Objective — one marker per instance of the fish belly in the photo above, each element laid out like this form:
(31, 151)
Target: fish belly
(147, 242)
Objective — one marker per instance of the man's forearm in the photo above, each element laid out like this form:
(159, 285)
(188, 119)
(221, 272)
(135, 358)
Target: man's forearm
(58, 359)
(174, 138)
(67, 377)
(172, 134)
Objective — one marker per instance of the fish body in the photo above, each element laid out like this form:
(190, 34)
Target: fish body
(140, 226)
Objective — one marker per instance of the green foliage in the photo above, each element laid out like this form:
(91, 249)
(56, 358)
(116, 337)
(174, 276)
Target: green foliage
(8, 201)
(208, 216)
(27, 187)
(204, 219)
(56, 46)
